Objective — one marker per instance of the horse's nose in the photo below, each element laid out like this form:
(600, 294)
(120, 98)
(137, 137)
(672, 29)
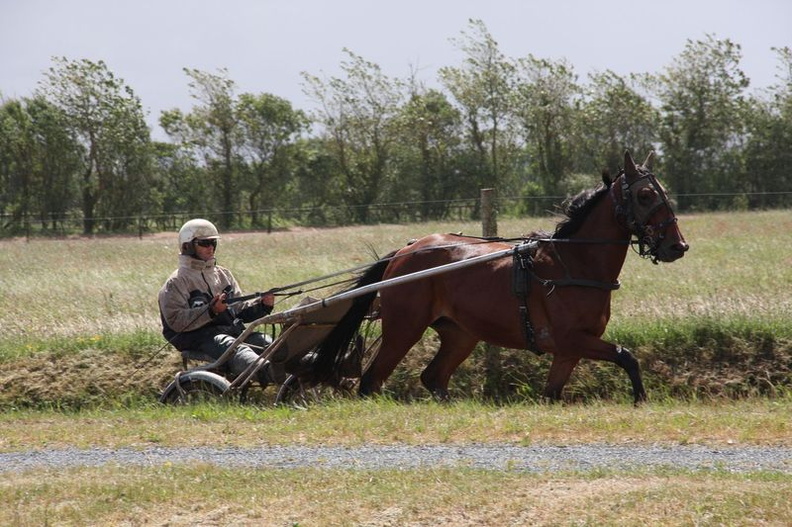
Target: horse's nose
(681, 247)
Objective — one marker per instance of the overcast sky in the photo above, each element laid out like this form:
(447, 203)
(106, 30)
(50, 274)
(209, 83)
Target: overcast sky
(266, 44)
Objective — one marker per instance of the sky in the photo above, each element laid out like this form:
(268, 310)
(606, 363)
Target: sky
(266, 45)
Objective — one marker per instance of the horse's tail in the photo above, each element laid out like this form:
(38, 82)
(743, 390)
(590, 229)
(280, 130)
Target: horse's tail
(331, 352)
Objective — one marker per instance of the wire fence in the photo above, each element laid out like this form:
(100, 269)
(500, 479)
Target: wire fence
(73, 223)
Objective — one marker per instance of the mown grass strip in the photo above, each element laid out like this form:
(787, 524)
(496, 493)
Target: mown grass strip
(756, 421)
(202, 495)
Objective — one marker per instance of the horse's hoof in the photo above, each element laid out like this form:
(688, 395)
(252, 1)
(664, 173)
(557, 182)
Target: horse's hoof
(441, 396)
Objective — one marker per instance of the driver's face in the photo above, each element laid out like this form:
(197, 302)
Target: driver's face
(205, 249)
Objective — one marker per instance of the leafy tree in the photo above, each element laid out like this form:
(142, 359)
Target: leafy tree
(427, 156)
(184, 182)
(483, 90)
(129, 191)
(38, 161)
(243, 146)
(182, 189)
(106, 119)
(210, 132)
(546, 99)
(615, 117)
(767, 150)
(357, 113)
(703, 108)
(269, 128)
(317, 191)
(59, 161)
(17, 163)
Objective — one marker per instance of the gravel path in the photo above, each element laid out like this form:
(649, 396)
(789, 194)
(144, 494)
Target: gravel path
(489, 457)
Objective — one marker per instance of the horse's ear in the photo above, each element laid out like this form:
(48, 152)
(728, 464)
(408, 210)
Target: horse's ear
(648, 160)
(630, 170)
(606, 177)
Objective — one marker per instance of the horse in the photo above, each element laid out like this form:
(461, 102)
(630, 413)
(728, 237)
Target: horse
(562, 302)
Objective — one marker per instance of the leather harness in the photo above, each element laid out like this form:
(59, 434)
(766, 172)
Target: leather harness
(521, 286)
(523, 273)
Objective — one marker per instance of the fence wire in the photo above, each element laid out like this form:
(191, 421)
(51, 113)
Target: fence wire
(271, 219)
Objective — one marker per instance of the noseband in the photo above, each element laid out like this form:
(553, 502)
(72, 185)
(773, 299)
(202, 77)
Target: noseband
(649, 237)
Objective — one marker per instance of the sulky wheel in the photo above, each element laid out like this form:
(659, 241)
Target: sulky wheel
(361, 352)
(295, 393)
(195, 387)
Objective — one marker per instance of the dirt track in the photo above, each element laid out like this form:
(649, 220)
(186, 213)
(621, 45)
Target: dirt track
(403, 457)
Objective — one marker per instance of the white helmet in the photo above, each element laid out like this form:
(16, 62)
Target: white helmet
(197, 229)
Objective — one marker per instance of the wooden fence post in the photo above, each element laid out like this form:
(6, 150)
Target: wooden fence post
(492, 355)
(489, 215)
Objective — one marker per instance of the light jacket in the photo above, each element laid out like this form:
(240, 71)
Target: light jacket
(184, 299)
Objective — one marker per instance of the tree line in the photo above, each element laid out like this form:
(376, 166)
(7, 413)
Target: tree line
(79, 146)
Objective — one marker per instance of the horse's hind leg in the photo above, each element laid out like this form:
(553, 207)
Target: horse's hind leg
(396, 342)
(455, 346)
(560, 371)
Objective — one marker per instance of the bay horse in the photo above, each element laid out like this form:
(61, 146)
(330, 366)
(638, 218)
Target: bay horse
(567, 277)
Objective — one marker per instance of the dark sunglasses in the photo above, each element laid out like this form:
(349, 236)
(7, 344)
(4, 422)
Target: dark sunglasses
(206, 243)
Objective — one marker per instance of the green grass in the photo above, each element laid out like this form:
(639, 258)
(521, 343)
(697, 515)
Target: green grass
(717, 423)
(714, 323)
(80, 368)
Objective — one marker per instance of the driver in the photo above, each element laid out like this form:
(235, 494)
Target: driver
(193, 308)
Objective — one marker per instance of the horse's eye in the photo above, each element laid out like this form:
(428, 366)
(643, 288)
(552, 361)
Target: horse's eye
(646, 196)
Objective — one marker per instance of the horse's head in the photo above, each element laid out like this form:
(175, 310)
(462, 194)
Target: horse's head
(648, 213)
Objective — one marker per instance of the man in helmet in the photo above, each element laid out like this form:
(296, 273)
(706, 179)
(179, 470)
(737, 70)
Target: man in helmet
(193, 308)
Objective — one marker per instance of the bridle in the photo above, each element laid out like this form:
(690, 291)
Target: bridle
(649, 236)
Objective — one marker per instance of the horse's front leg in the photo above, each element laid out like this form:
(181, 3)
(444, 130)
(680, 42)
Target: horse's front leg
(591, 347)
(629, 363)
(597, 349)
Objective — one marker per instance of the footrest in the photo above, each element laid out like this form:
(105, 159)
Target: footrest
(194, 355)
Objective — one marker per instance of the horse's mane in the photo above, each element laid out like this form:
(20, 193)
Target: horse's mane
(577, 208)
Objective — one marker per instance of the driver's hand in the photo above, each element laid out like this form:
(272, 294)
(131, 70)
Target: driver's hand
(268, 299)
(218, 304)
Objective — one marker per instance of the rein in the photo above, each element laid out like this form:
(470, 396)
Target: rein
(530, 243)
(529, 239)
(568, 280)
(646, 243)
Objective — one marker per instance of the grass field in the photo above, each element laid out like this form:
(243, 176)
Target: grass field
(716, 322)
(712, 330)
(739, 268)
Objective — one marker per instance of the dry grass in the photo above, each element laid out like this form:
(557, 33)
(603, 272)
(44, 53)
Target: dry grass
(65, 303)
(166, 495)
(737, 267)
(68, 302)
